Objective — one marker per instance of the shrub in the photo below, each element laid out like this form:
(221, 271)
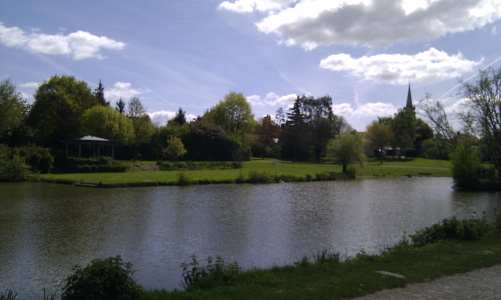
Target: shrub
(466, 166)
(260, 177)
(39, 159)
(12, 168)
(108, 278)
(183, 179)
(451, 229)
(216, 273)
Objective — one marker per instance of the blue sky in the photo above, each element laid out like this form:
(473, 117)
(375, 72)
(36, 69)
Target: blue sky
(190, 53)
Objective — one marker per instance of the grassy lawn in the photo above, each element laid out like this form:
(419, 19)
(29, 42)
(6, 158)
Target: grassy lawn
(409, 167)
(354, 277)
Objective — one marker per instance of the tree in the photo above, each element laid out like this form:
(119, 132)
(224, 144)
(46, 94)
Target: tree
(466, 165)
(143, 128)
(442, 128)
(57, 110)
(267, 132)
(179, 118)
(105, 122)
(484, 115)
(378, 135)
(175, 149)
(309, 126)
(13, 111)
(346, 149)
(209, 142)
(99, 94)
(135, 108)
(233, 114)
(403, 126)
(120, 106)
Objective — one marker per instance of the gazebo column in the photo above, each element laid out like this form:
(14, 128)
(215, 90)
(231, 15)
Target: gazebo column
(79, 150)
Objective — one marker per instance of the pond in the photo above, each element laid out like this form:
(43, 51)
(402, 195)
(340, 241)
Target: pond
(45, 229)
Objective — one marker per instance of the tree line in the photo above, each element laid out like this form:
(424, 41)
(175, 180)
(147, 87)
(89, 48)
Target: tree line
(66, 108)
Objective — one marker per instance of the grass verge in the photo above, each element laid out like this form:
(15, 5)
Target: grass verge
(332, 279)
(266, 171)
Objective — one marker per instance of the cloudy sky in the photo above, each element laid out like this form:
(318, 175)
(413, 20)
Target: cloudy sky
(190, 53)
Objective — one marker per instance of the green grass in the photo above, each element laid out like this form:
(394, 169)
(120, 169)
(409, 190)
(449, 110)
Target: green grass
(354, 277)
(273, 168)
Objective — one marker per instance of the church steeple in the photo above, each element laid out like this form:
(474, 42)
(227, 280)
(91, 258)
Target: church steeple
(409, 99)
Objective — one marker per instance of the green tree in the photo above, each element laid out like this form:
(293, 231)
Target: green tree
(175, 149)
(378, 136)
(346, 149)
(484, 115)
(309, 126)
(143, 128)
(105, 122)
(13, 111)
(466, 165)
(57, 110)
(179, 118)
(233, 114)
(209, 142)
(99, 94)
(403, 126)
(120, 106)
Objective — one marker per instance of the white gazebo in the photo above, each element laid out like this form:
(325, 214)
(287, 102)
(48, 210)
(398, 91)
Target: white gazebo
(91, 140)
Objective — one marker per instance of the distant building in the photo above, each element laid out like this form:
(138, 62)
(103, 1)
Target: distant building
(409, 105)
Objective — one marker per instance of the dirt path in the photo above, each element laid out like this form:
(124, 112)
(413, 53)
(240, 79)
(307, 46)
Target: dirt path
(482, 284)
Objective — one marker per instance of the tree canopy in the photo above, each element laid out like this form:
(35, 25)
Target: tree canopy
(57, 110)
(105, 122)
(13, 111)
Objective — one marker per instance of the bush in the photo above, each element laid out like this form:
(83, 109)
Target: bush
(183, 179)
(216, 273)
(451, 229)
(108, 278)
(466, 166)
(39, 159)
(260, 177)
(12, 167)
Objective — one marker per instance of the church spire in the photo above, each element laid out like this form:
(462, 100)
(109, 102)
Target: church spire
(409, 99)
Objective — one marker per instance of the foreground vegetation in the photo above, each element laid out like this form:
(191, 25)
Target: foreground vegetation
(450, 247)
(256, 171)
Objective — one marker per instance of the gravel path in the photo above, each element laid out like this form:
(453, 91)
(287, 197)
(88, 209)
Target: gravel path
(482, 284)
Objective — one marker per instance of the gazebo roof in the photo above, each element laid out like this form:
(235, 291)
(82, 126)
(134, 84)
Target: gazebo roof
(89, 139)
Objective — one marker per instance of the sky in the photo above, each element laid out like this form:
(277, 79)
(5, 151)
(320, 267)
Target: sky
(189, 54)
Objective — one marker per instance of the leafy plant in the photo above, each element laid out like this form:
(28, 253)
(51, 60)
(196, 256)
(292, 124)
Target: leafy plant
(108, 278)
(215, 273)
(451, 229)
(8, 295)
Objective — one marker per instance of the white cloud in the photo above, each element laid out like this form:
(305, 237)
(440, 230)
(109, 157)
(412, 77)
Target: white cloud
(272, 99)
(78, 45)
(430, 65)
(310, 23)
(248, 6)
(29, 85)
(375, 109)
(121, 90)
(160, 118)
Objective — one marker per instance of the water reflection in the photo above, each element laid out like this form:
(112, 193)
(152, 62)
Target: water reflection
(45, 229)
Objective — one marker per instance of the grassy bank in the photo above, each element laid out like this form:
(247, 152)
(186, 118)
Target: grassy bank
(260, 170)
(331, 279)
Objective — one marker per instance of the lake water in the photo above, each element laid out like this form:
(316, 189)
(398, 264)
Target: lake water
(45, 229)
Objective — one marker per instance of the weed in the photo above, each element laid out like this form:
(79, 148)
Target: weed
(215, 273)
(8, 295)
